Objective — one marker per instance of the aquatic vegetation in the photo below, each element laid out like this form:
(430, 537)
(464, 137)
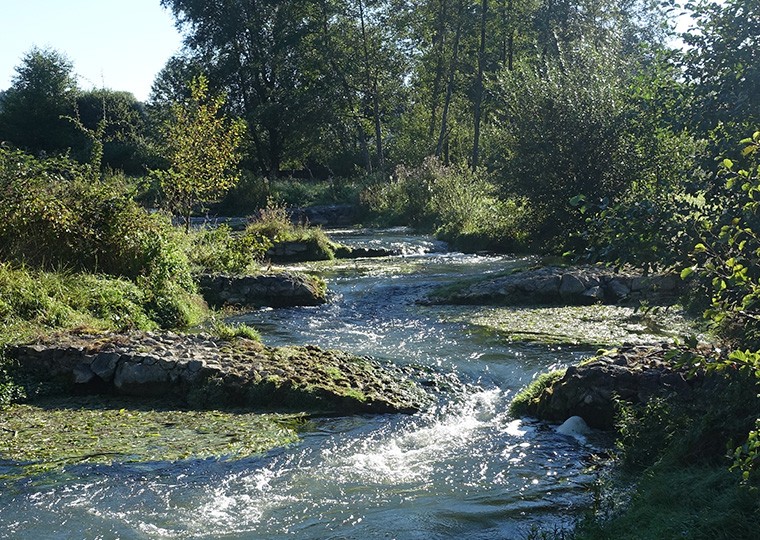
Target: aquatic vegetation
(63, 431)
(598, 325)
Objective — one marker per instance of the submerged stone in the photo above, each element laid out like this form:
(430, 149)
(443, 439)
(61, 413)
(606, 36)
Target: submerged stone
(575, 426)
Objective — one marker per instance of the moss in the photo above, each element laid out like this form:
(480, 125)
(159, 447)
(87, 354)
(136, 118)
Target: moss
(597, 326)
(57, 432)
(524, 401)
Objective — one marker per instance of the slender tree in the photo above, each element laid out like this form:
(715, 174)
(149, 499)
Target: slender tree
(202, 147)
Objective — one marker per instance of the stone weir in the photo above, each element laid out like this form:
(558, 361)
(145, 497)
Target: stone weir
(564, 285)
(271, 290)
(208, 372)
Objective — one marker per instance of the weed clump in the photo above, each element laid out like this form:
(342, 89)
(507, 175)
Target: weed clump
(523, 403)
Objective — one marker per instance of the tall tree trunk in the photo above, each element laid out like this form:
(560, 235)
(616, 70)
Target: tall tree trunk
(479, 84)
(450, 85)
(510, 25)
(372, 86)
(365, 148)
(439, 46)
(378, 128)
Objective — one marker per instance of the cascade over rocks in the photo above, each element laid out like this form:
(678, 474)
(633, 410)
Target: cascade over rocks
(270, 290)
(208, 372)
(633, 374)
(565, 285)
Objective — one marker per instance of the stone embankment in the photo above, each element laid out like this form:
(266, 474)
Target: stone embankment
(591, 389)
(310, 250)
(208, 372)
(564, 285)
(266, 290)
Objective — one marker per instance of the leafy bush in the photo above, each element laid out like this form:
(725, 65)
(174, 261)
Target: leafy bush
(651, 224)
(59, 215)
(461, 206)
(561, 130)
(728, 255)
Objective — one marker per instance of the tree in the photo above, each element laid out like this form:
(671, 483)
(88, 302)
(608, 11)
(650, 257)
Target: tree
(202, 147)
(124, 126)
(42, 92)
(266, 55)
(722, 64)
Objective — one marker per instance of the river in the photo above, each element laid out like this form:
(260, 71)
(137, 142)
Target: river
(462, 469)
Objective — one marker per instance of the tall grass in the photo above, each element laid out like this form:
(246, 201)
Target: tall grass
(274, 226)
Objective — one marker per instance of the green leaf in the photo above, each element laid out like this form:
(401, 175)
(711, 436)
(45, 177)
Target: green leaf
(727, 164)
(577, 200)
(686, 272)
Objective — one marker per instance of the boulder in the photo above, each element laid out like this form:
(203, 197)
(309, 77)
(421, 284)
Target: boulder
(590, 389)
(571, 286)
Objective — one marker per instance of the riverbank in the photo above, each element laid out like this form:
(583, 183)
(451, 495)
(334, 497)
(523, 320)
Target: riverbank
(680, 469)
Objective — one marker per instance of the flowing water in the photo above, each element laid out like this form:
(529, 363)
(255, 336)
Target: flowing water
(463, 469)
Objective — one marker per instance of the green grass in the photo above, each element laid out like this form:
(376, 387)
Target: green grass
(33, 300)
(521, 403)
(229, 332)
(699, 503)
(274, 226)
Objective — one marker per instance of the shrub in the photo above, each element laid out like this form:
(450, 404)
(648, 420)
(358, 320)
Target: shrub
(461, 206)
(58, 215)
(728, 255)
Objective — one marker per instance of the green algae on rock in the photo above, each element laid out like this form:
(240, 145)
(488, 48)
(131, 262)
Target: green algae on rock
(209, 372)
(56, 432)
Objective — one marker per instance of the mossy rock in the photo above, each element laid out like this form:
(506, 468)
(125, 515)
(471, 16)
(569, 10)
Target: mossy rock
(593, 388)
(211, 372)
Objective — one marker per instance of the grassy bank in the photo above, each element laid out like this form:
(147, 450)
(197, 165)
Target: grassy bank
(681, 468)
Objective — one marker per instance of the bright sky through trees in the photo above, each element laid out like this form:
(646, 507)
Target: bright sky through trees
(119, 44)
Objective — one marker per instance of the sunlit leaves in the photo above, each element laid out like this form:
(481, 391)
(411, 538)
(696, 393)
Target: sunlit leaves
(202, 146)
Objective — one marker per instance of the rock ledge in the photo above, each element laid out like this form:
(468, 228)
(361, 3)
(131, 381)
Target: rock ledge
(590, 389)
(208, 372)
